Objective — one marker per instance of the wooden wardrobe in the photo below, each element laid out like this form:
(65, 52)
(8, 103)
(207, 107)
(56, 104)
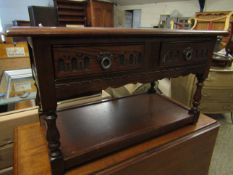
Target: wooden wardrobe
(99, 14)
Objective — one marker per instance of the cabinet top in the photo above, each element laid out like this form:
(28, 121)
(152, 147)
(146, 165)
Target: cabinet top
(93, 31)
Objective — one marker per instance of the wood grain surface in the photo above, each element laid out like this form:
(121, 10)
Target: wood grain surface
(95, 130)
(175, 153)
(95, 31)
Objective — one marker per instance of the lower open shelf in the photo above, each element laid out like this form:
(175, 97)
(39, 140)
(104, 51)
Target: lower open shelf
(91, 131)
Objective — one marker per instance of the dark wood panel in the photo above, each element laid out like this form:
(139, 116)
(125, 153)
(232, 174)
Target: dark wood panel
(79, 87)
(45, 75)
(93, 60)
(70, 19)
(70, 7)
(70, 12)
(176, 53)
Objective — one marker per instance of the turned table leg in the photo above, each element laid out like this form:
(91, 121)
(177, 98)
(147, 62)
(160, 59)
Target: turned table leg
(53, 136)
(232, 117)
(152, 88)
(197, 97)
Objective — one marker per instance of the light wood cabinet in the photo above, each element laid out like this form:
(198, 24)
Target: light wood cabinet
(217, 92)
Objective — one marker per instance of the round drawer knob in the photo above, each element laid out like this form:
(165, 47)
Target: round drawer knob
(106, 62)
(188, 52)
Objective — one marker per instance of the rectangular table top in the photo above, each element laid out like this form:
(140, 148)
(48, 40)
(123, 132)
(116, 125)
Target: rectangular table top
(98, 31)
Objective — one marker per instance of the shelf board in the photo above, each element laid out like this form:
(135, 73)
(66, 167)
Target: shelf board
(65, 19)
(71, 2)
(69, 13)
(92, 131)
(71, 7)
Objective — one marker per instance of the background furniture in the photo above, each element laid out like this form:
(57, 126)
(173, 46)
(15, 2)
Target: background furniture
(17, 87)
(215, 20)
(71, 12)
(9, 60)
(8, 122)
(172, 22)
(13, 62)
(172, 153)
(217, 92)
(181, 23)
(92, 13)
(21, 23)
(99, 14)
(218, 88)
(46, 16)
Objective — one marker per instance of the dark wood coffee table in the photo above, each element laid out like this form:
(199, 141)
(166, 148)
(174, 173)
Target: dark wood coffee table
(72, 62)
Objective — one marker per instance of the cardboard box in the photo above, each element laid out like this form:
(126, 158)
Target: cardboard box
(18, 83)
(6, 156)
(17, 50)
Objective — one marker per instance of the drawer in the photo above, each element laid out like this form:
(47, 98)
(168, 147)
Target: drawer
(217, 95)
(97, 60)
(213, 107)
(175, 53)
(9, 121)
(6, 156)
(219, 79)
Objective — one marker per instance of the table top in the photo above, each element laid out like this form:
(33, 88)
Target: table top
(95, 31)
(32, 157)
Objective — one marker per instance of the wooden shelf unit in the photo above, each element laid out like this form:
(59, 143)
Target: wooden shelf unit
(71, 12)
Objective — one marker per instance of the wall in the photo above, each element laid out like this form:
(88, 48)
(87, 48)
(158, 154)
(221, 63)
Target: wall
(17, 9)
(151, 12)
(212, 5)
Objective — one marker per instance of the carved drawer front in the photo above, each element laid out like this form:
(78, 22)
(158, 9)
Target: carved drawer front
(174, 53)
(97, 60)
